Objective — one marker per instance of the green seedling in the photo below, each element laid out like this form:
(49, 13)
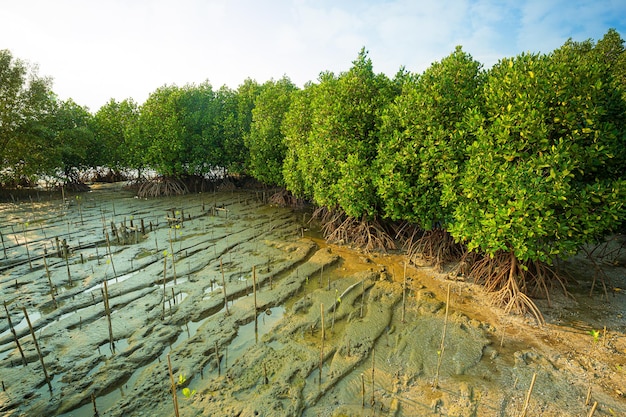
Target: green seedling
(188, 393)
(595, 334)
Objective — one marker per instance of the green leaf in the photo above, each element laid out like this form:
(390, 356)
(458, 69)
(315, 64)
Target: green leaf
(188, 393)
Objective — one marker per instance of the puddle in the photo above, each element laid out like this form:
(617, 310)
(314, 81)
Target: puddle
(179, 281)
(212, 290)
(247, 335)
(64, 316)
(180, 297)
(32, 315)
(111, 282)
(120, 346)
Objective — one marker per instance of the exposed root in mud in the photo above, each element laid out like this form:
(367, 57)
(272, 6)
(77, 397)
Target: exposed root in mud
(226, 185)
(162, 187)
(76, 186)
(340, 228)
(104, 175)
(511, 282)
(135, 183)
(607, 252)
(200, 184)
(284, 198)
(436, 246)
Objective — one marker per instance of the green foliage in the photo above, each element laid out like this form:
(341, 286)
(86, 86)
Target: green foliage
(611, 52)
(246, 97)
(336, 161)
(188, 393)
(197, 114)
(420, 139)
(542, 176)
(265, 141)
(115, 130)
(229, 151)
(74, 138)
(163, 146)
(179, 128)
(26, 100)
(296, 128)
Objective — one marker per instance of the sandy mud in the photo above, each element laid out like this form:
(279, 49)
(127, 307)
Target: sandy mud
(329, 331)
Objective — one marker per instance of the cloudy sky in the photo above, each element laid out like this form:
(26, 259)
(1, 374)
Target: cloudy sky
(98, 50)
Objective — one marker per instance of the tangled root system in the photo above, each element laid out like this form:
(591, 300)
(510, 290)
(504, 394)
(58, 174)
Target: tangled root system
(284, 198)
(76, 186)
(435, 246)
(362, 233)
(512, 282)
(162, 187)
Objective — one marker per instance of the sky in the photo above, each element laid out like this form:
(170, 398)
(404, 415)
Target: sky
(116, 49)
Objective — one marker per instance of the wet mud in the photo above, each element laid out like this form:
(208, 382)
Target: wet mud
(326, 330)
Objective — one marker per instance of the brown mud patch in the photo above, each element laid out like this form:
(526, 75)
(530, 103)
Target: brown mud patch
(166, 297)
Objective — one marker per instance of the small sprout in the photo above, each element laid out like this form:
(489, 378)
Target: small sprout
(164, 253)
(595, 334)
(188, 393)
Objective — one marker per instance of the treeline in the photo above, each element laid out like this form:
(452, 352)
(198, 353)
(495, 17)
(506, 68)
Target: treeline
(511, 166)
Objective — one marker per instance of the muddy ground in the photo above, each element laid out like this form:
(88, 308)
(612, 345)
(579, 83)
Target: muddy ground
(333, 333)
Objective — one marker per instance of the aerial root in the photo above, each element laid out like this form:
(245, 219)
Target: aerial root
(435, 246)
(162, 187)
(512, 282)
(367, 234)
(284, 198)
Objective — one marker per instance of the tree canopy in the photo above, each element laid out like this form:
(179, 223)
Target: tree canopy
(265, 141)
(26, 100)
(541, 175)
(421, 138)
(336, 158)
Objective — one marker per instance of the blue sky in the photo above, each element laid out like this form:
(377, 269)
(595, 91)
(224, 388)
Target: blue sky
(98, 50)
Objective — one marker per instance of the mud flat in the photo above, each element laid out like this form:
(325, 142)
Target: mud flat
(329, 331)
